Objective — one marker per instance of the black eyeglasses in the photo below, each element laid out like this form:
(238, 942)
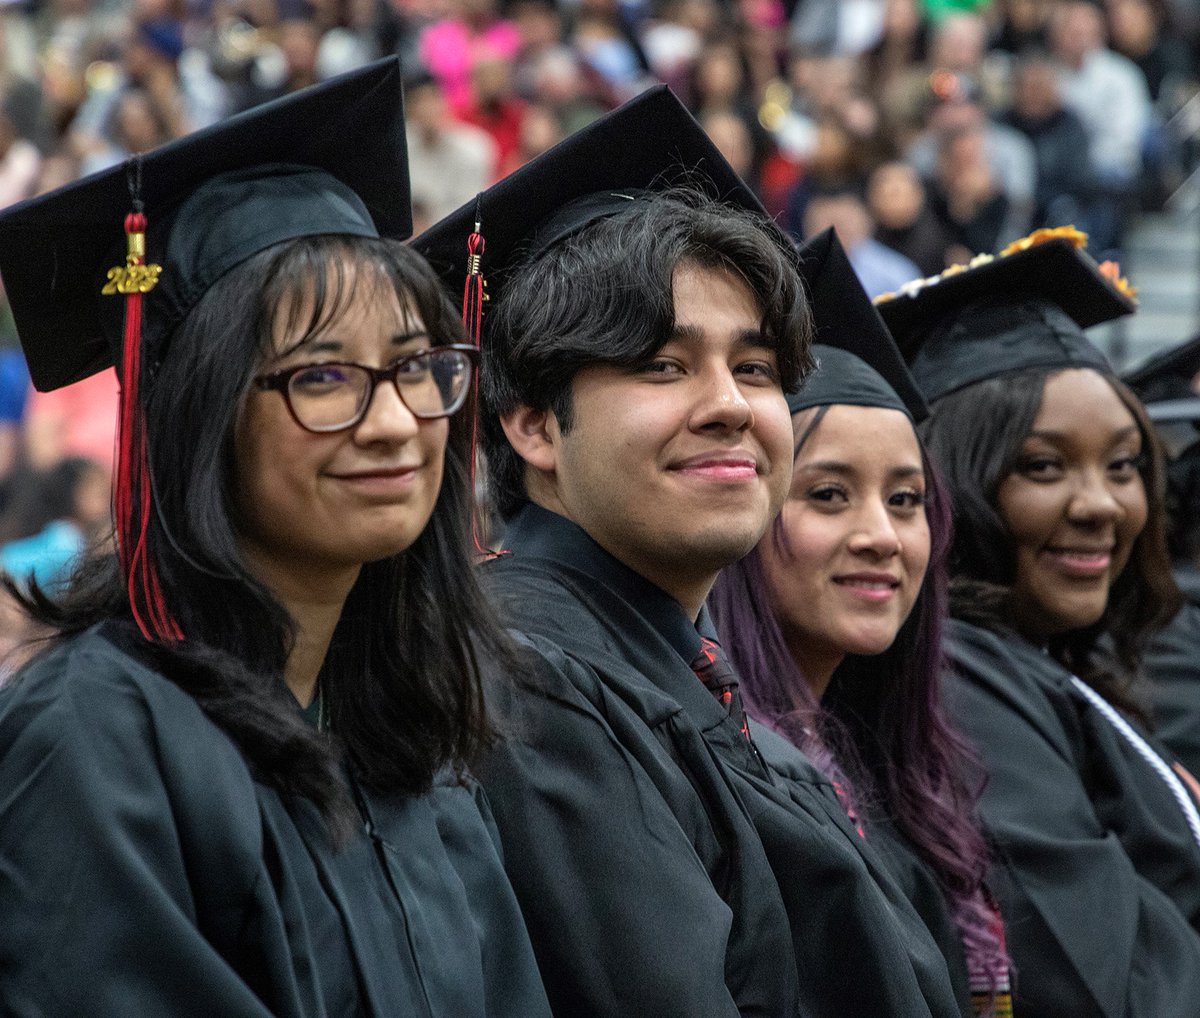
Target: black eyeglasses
(334, 395)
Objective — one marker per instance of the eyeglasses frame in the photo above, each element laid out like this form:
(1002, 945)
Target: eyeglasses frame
(280, 381)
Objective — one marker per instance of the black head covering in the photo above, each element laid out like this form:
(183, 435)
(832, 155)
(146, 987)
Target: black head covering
(858, 362)
(327, 160)
(1167, 376)
(649, 145)
(1017, 311)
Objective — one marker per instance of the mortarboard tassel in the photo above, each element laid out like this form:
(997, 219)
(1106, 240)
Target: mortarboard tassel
(474, 295)
(132, 494)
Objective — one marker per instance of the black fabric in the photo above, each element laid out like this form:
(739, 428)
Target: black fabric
(866, 368)
(1172, 666)
(913, 877)
(1000, 335)
(56, 250)
(841, 377)
(1024, 310)
(663, 868)
(1168, 375)
(144, 872)
(1097, 874)
(650, 143)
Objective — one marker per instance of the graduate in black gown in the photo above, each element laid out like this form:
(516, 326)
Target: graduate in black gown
(636, 350)
(1172, 659)
(834, 625)
(177, 836)
(1059, 576)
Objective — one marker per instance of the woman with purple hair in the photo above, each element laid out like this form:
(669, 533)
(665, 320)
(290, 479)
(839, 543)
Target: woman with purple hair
(834, 624)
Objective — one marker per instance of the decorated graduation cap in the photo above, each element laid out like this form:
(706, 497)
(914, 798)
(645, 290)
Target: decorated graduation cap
(101, 271)
(858, 362)
(646, 146)
(1024, 308)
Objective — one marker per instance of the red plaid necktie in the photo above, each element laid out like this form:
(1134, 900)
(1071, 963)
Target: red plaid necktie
(712, 668)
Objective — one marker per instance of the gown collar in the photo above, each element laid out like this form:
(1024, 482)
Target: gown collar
(536, 532)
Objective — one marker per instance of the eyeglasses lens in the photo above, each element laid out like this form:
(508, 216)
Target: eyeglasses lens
(326, 397)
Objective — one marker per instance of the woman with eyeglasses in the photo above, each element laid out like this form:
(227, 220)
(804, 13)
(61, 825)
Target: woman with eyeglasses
(234, 781)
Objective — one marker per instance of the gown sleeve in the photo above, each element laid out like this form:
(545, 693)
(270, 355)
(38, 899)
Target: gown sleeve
(1088, 935)
(99, 917)
(623, 916)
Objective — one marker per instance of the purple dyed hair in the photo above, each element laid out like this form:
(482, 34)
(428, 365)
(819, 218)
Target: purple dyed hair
(879, 732)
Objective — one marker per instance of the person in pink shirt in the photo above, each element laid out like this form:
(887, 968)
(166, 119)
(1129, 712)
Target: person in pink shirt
(448, 48)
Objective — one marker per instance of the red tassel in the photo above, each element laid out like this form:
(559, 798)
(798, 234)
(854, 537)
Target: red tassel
(474, 294)
(132, 494)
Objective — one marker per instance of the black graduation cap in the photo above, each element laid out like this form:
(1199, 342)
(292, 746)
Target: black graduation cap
(329, 159)
(1168, 375)
(857, 360)
(648, 145)
(1025, 309)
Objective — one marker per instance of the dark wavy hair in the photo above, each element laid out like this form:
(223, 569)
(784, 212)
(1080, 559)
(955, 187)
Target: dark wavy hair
(604, 296)
(879, 732)
(401, 679)
(975, 437)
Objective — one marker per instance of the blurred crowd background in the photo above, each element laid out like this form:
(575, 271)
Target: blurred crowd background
(924, 131)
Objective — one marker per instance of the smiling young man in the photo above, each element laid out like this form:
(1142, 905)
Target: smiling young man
(637, 349)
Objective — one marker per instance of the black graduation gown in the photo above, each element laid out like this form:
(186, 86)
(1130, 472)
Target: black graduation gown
(1172, 666)
(911, 874)
(662, 868)
(144, 872)
(1097, 872)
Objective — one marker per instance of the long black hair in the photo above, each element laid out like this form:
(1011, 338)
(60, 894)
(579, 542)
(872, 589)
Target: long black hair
(401, 680)
(975, 436)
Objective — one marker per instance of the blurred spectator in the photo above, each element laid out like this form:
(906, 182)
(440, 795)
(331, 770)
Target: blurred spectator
(77, 420)
(58, 513)
(448, 162)
(539, 25)
(1105, 90)
(674, 38)
(14, 397)
(135, 125)
(540, 130)
(1009, 155)
(286, 67)
(904, 222)
(835, 163)
(895, 70)
(958, 45)
(732, 138)
(1065, 181)
(20, 162)
(1022, 24)
(1137, 33)
(878, 267)
(185, 95)
(494, 107)
(559, 83)
(606, 43)
(846, 27)
(449, 47)
(719, 87)
(966, 196)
